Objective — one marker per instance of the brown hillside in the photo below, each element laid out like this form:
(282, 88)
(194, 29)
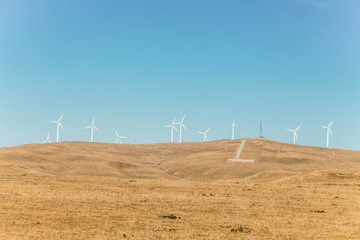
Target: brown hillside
(196, 161)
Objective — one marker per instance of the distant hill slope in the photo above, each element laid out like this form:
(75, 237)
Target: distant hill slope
(195, 161)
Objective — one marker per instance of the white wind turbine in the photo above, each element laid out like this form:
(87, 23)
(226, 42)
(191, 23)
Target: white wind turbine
(181, 125)
(233, 130)
(47, 139)
(327, 132)
(172, 126)
(58, 124)
(92, 126)
(295, 133)
(118, 138)
(205, 134)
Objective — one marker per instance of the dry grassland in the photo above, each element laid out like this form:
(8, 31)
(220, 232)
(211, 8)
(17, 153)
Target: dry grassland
(77, 190)
(325, 206)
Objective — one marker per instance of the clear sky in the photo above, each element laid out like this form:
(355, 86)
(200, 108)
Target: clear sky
(135, 65)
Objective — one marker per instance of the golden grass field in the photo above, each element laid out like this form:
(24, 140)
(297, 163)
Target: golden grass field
(76, 190)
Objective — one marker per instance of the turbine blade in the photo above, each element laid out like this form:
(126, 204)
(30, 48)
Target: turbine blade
(330, 131)
(116, 133)
(52, 121)
(175, 128)
(96, 129)
(87, 127)
(60, 118)
(167, 126)
(183, 126)
(183, 119)
(93, 121)
(331, 123)
(298, 128)
(207, 131)
(61, 126)
(323, 127)
(201, 132)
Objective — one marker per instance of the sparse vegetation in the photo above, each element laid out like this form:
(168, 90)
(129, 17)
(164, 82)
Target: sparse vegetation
(243, 229)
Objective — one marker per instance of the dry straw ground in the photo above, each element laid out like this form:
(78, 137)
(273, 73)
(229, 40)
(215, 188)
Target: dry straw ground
(178, 191)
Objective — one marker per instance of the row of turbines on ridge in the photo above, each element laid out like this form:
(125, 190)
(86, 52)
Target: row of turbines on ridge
(172, 126)
(92, 127)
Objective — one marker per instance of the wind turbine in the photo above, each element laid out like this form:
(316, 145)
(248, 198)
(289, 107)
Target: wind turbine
(172, 126)
(295, 134)
(233, 130)
(181, 124)
(118, 138)
(327, 132)
(92, 126)
(205, 134)
(47, 139)
(58, 124)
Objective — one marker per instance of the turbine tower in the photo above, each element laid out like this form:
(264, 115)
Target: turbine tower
(327, 132)
(181, 125)
(58, 124)
(295, 134)
(47, 139)
(172, 126)
(233, 130)
(92, 126)
(118, 138)
(205, 134)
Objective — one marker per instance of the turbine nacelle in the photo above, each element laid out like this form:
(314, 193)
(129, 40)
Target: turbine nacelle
(58, 125)
(118, 138)
(328, 130)
(172, 126)
(295, 132)
(181, 125)
(92, 127)
(205, 134)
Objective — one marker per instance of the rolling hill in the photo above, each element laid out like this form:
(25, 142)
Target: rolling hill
(188, 161)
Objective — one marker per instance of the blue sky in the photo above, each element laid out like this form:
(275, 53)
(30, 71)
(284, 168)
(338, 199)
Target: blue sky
(135, 65)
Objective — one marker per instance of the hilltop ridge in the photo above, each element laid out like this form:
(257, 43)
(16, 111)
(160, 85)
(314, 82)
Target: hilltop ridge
(190, 160)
